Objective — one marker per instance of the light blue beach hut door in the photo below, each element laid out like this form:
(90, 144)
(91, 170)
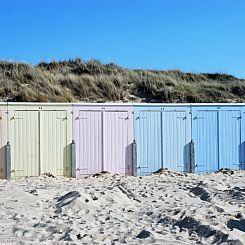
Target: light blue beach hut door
(217, 138)
(229, 139)
(205, 136)
(175, 140)
(149, 148)
(163, 138)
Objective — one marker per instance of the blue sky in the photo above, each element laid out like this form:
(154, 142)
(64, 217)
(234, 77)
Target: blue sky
(190, 35)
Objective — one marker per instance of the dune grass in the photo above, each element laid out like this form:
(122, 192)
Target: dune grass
(77, 80)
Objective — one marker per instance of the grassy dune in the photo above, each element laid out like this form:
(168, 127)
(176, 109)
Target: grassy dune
(77, 80)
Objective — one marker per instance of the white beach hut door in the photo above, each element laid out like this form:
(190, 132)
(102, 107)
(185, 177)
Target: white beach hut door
(116, 142)
(25, 152)
(53, 143)
(90, 142)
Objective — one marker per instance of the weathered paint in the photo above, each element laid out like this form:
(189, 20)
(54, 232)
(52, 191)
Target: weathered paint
(40, 138)
(217, 134)
(3, 140)
(103, 135)
(163, 135)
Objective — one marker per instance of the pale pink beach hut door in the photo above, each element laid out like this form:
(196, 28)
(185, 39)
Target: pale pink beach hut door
(117, 142)
(90, 142)
(104, 138)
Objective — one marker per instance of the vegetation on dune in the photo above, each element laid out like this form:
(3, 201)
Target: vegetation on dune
(77, 80)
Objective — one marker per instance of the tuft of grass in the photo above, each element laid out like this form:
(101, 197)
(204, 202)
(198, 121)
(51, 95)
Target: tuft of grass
(77, 80)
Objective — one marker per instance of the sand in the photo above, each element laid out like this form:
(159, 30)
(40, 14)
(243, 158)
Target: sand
(164, 208)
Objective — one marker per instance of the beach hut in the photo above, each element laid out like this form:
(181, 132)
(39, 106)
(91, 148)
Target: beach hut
(163, 137)
(82, 139)
(103, 134)
(40, 136)
(218, 136)
(3, 140)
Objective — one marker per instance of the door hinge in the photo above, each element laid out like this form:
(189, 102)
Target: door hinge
(62, 118)
(142, 117)
(14, 117)
(125, 118)
(196, 117)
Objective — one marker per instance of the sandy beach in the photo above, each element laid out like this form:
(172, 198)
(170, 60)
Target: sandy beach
(163, 208)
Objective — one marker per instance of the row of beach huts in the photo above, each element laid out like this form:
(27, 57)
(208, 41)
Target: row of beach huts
(81, 139)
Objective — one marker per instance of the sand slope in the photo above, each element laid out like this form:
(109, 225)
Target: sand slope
(166, 208)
